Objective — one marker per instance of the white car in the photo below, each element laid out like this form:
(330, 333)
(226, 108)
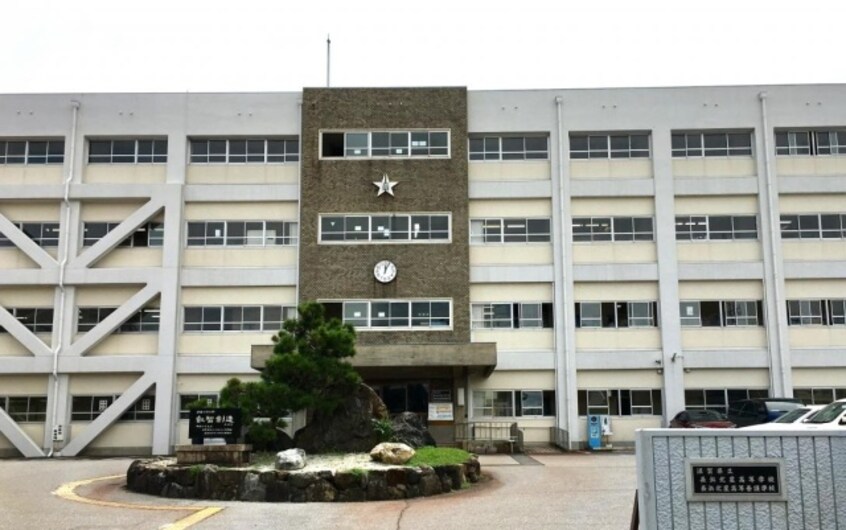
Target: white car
(832, 416)
(788, 420)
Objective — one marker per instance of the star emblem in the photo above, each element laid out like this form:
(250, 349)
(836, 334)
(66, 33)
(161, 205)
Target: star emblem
(385, 185)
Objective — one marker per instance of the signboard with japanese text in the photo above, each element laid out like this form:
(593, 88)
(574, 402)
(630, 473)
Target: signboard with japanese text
(440, 412)
(735, 480)
(214, 423)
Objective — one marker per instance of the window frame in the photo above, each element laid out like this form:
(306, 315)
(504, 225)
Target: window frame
(612, 234)
(54, 151)
(221, 325)
(288, 156)
(621, 312)
(364, 321)
(291, 228)
(707, 228)
(156, 155)
(502, 236)
(498, 152)
(608, 152)
(699, 149)
(35, 409)
(786, 142)
(484, 313)
(409, 218)
(368, 144)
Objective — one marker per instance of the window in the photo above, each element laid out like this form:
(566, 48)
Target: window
(719, 399)
(127, 151)
(36, 320)
(612, 229)
(495, 147)
(616, 314)
(813, 226)
(510, 230)
(383, 228)
(609, 146)
(241, 233)
(384, 144)
(42, 234)
(817, 143)
(512, 315)
(697, 144)
(620, 402)
(186, 399)
(245, 150)
(25, 408)
(144, 321)
(32, 151)
(716, 227)
(729, 313)
(148, 235)
(815, 396)
(237, 318)
(513, 403)
(816, 312)
(383, 315)
(88, 408)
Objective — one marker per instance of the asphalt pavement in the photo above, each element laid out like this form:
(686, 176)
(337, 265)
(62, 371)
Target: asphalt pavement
(560, 491)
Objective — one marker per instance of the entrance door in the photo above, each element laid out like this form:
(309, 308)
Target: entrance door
(406, 397)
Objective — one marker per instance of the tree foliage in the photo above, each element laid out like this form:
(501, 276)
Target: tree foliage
(308, 370)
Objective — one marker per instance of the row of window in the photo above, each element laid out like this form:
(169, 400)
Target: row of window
(816, 312)
(513, 403)
(522, 315)
(819, 396)
(144, 321)
(421, 143)
(385, 228)
(616, 314)
(32, 152)
(619, 402)
(237, 318)
(88, 408)
(397, 144)
(813, 226)
(147, 235)
(127, 151)
(716, 227)
(726, 313)
(239, 151)
(509, 230)
(43, 234)
(241, 233)
(719, 399)
(392, 314)
(612, 229)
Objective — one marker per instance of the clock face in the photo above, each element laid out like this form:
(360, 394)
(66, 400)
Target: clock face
(385, 271)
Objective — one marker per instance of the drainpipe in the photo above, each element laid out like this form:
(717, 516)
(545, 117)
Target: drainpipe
(60, 310)
(777, 279)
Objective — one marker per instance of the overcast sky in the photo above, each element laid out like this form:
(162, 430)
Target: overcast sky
(257, 45)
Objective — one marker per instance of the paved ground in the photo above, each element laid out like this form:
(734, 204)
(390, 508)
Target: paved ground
(579, 491)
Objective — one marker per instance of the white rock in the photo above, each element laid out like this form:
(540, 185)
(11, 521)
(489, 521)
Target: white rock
(392, 453)
(291, 459)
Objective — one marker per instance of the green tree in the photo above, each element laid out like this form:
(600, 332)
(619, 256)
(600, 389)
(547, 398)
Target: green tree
(308, 370)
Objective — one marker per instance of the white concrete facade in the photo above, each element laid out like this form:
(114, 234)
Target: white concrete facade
(576, 362)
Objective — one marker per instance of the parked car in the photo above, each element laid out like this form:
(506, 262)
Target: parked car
(700, 419)
(760, 410)
(832, 416)
(788, 420)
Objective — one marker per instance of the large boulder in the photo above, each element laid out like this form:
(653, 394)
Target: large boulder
(410, 429)
(349, 429)
(392, 453)
(291, 459)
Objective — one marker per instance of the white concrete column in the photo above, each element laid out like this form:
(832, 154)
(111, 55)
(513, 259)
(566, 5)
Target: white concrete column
(672, 357)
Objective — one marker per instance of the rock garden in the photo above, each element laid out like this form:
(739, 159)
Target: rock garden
(349, 450)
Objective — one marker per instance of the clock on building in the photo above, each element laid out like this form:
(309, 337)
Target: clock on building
(385, 271)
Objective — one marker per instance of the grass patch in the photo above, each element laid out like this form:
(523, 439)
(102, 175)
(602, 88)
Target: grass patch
(438, 456)
(358, 472)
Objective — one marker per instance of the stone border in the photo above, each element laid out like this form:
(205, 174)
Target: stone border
(162, 478)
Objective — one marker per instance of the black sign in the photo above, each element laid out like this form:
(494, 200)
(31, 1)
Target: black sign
(726, 480)
(214, 423)
(441, 396)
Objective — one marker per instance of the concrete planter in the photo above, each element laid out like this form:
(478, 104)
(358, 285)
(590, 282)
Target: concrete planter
(165, 479)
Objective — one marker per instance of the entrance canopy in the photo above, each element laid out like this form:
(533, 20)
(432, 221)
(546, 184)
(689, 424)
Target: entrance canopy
(475, 356)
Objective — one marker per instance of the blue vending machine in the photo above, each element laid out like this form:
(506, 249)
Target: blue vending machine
(594, 431)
